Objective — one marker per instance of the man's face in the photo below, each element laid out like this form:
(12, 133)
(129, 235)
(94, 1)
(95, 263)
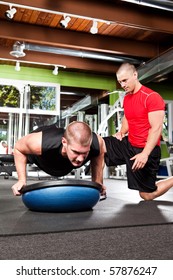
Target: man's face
(75, 152)
(127, 80)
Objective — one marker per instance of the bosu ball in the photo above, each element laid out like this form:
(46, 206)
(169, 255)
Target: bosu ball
(61, 196)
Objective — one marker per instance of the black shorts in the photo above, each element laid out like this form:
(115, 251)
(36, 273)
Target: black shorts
(120, 152)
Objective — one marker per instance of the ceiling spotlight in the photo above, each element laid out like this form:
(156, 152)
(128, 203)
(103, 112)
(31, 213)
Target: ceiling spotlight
(94, 28)
(55, 71)
(9, 14)
(18, 49)
(64, 22)
(17, 67)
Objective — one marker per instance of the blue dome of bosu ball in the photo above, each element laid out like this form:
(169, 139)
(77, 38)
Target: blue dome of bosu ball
(61, 196)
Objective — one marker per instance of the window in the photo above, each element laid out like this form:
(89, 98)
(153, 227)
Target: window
(25, 106)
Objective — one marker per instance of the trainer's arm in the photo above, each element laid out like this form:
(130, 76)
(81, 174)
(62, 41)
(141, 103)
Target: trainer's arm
(156, 122)
(29, 144)
(124, 129)
(97, 165)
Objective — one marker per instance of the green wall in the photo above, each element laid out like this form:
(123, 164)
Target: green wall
(64, 78)
(164, 89)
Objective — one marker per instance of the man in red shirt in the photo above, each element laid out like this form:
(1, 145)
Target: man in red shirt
(137, 144)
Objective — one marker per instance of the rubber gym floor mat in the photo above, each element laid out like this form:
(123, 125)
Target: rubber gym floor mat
(122, 208)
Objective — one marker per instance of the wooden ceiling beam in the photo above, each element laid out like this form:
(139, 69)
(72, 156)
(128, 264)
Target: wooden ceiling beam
(120, 12)
(72, 39)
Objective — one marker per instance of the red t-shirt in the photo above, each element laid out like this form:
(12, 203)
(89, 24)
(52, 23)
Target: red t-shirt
(136, 109)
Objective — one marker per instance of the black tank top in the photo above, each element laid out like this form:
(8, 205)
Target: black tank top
(51, 161)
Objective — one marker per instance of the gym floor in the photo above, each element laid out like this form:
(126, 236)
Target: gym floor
(122, 227)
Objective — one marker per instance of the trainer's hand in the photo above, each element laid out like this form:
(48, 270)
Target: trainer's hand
(139, 161)
(16, 188)
(119, 135)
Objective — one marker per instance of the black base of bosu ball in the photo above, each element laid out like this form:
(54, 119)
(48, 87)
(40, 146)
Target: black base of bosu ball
(61, 196)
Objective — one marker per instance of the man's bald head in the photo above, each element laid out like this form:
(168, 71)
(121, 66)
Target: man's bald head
(78, 132)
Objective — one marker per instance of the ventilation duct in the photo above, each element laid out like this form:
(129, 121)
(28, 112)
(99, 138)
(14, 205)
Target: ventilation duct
(158, 68)
(76, 53)
(158, 4)
(83, 104)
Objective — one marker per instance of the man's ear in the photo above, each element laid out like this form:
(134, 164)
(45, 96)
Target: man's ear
(64, 141)
(136, 74)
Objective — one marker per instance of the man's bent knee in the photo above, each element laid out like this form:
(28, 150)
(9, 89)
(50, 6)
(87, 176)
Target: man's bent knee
(146, 196)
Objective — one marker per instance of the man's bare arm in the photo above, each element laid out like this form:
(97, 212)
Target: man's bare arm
(98, 163)
(156, 121)
(29, 144)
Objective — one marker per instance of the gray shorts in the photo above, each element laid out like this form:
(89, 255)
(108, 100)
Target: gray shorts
(120, 152)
